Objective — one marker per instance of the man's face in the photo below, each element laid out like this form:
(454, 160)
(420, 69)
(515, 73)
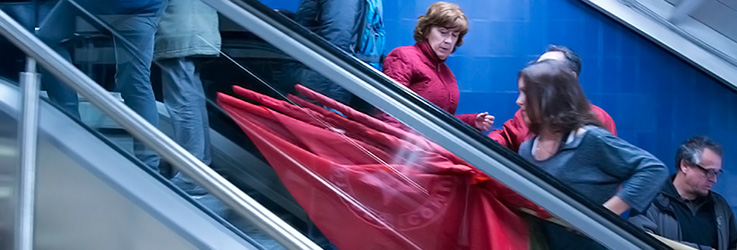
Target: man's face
(700, 178)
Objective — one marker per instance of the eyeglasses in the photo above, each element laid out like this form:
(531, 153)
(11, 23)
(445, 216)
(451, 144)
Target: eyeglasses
(710, 173)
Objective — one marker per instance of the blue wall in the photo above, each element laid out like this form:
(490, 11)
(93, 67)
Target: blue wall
(657, 100)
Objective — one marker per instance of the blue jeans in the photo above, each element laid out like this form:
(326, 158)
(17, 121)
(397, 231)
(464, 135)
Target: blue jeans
(54, 30)
(186, 102)
(133, 56)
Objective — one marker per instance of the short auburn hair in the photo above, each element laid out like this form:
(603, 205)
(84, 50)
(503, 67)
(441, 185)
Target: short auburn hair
(442, 14)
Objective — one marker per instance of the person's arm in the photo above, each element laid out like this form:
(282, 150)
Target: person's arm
(513, 132)
(469, 119)
(616, 205)
(398, 67)
(641, 172)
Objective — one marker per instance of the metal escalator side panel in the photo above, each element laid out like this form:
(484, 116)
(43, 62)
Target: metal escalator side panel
(90, 196)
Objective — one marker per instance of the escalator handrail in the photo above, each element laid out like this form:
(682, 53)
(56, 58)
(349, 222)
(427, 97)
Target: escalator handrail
(672, 38)
(663, 21)
(434, 123)
(152, 137)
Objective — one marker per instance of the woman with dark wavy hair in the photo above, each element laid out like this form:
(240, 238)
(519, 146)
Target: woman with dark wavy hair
(571, 146)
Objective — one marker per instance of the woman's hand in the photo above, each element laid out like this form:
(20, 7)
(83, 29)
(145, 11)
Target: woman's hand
(483, 121)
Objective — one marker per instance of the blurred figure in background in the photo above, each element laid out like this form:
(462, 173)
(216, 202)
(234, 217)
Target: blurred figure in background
(134, 24)
(188, 30)
(422, 69)
(354, 26)
(570, 144)
(686, 210)
(514, 131)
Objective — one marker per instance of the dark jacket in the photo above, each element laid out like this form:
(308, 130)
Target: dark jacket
(660, 219)
(337, 21)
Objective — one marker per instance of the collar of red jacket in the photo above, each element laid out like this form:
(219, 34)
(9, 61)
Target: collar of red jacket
(424, 46)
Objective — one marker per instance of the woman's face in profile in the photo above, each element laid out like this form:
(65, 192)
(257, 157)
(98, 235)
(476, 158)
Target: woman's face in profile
(442, 40)
(522, 100)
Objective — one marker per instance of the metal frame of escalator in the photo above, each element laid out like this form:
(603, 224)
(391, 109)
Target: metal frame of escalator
(69, 140)
(152, 137)
(434, 123)
(28, 131)
(650, 25)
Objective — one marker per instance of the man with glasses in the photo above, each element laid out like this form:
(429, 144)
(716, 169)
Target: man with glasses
(686, 209)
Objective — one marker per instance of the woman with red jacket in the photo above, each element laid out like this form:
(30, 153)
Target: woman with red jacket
(421, 67)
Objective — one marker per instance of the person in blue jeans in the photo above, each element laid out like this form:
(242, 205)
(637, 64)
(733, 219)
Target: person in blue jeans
(188, 30)
(133, 24)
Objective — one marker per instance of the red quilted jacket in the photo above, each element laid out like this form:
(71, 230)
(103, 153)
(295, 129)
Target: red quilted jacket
(419, 68)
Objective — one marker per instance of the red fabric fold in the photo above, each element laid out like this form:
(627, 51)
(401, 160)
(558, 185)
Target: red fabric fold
(371, 186)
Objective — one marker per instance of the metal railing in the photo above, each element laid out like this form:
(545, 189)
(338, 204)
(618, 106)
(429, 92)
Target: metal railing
(147, 134)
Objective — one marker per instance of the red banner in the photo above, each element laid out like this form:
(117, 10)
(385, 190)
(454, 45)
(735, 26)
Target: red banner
(368, 187)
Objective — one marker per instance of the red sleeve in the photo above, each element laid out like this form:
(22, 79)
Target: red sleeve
(513, 133)
(469, 119)
(398, 67)
(605, 119)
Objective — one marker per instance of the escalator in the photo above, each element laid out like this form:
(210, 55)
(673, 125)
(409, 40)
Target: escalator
(91, 193)
(301, 45)
(100, 196)
(241, 163)
(375, 88)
